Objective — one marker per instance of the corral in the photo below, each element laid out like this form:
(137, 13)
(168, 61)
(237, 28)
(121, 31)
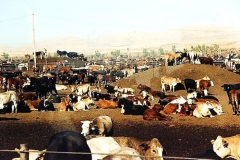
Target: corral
(184, 136)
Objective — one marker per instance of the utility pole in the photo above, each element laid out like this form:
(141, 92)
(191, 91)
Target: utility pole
(34, 45)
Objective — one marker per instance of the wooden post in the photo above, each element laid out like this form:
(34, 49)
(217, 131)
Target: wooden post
(24, 154)
(34, 45)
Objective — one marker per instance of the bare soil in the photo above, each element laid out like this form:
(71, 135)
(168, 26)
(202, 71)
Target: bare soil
(184, 136)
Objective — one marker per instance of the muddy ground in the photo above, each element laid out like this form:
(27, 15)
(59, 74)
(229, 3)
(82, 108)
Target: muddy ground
(184, 136)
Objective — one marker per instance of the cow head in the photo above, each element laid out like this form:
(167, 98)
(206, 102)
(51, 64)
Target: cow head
(86, 127)
(152, 148)
(220, 147)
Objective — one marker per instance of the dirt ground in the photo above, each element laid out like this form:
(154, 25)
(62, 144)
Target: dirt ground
(184, 136)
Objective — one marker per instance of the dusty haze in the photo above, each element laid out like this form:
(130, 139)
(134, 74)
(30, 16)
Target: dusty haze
(225, 37)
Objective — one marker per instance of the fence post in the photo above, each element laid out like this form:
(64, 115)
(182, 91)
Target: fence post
(23, 154)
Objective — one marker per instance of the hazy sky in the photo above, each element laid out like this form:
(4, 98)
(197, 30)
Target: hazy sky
(92, 18)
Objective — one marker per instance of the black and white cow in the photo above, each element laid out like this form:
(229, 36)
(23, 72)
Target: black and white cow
(72, 54)
(98, 95)
(46, 105)
(110, 89)
(62, 53)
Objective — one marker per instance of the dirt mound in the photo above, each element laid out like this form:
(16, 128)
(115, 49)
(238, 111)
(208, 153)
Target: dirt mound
(152, 76)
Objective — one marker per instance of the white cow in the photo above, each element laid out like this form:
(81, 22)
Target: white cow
(82, 89)
(101, 125)
(123, 153)
(102, 145)
(83, 104)
(203, 109)
(227, 147)
(124, 90)
(60, 87)
(9, 96)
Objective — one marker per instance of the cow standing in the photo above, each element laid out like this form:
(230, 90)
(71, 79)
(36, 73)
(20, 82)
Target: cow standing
(170, 81)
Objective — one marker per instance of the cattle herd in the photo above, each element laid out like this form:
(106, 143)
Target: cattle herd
(25, 93)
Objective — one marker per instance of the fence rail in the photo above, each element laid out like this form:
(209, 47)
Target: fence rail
(24, 154)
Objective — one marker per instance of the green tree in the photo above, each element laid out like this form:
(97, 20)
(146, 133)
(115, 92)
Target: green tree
(215, 48)
(115, 53)
(97, 54)
(5, 55)
(153, 53)
(145, 52)
(174, 49)
(160, 51)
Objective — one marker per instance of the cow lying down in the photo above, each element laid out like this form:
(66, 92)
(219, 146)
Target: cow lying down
(101, 125)
(120, 145)
(123, 153)
(207, 109)
(227, 147)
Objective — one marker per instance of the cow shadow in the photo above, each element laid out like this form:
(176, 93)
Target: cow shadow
(6, 119)
(208, 154)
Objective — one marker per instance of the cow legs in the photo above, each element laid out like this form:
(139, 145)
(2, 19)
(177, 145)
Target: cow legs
(171, 88)
(163, 88)
(237, 111)
(234, 107)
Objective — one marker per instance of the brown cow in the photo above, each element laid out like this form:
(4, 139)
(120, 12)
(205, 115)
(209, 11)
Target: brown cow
(143, 87)
(170, 108)
(146, 148)
(187, 109)
(152, 114)
(27, 56)
(234, 97)
(17, 83)
(170, 57)
(206, 60)
(33, 105)
(184, 109)
(107, 104)
(81, 77)
(110, 79)
(49, 67)
(158, 107)
(65, 105)
(204, 86)
(64, 70)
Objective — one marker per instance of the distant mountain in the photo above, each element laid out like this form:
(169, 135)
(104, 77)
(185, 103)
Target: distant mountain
(136, 41)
